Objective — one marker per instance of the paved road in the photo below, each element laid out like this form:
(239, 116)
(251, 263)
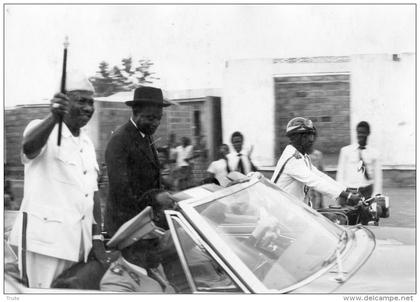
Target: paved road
(403, 207)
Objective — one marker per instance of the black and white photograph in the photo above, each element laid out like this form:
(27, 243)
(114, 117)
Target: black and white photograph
(218, 149)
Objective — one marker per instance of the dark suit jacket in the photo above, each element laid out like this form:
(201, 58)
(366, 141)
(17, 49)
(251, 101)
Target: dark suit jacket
(133, 168)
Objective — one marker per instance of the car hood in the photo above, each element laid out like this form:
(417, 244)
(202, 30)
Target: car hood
(390, 268)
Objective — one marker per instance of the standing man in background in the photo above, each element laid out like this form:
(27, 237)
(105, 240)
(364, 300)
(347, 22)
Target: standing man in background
(240, 159)
(359, 167)
(183, 171)
(60, 203)
(165, 170)
(131, 158)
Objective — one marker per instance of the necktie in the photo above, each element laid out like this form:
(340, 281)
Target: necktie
(227, 166)
(157, 276)
(240, 164)
(363, 167)
(152, 148)
(156, 159)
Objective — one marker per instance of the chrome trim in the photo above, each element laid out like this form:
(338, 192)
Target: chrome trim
(196, 201)
(356, 269)
(344, 253)
(316, 275)
(180, 252)
(190, 229)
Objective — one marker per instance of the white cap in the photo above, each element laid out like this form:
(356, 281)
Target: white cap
(76, 80)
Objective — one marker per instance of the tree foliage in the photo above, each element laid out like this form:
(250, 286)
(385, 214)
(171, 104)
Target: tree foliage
(122, 78)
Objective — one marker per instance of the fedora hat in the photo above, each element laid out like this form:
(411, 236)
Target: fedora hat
(146, 95)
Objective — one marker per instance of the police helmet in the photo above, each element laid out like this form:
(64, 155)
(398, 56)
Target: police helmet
(300, 125)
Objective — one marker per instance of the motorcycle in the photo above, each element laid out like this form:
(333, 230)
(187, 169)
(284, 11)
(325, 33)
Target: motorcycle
(365, 212)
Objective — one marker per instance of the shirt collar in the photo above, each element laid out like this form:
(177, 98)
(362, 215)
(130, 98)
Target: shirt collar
(135, 125)
(356, 147)
(241, 152)
(293, 149)
(65, 132)
(134, 267)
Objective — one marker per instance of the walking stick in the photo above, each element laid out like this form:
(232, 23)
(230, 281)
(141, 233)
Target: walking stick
(63, 86)
(23, 252)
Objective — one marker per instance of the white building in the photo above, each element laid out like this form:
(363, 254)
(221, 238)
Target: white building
(378, 88)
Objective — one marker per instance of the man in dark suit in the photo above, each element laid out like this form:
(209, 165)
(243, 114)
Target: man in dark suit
(131, 159)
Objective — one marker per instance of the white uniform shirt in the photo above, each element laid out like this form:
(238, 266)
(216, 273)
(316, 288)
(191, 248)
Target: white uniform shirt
(218, 168)
(58, 196)
(299, 172)
(183, 153)
(233, 160)
(350, 172)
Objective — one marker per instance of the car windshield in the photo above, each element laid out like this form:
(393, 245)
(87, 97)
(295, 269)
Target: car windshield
(282, 241)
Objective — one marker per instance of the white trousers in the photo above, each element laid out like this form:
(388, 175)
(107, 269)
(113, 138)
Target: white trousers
(42, 270)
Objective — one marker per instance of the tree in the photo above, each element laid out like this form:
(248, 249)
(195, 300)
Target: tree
(124, 78)
(102, 81)
(103, 69)
(127, 64)
(144, 70)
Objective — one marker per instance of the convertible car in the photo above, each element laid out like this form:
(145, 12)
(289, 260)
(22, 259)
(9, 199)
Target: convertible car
(251, 237)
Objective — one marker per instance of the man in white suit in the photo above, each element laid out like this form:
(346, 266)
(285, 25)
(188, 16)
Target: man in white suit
(60, 213)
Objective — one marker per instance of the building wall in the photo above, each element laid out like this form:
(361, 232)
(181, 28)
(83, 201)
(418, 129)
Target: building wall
(248, 106)
(15, 121)
(325, 99)
(249, 98)
(382, 91)
(181, 123)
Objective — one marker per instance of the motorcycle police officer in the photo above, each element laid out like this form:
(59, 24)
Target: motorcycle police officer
(295, 173)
